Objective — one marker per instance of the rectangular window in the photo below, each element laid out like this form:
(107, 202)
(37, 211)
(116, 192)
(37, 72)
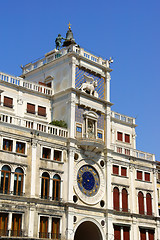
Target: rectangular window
(117, 233)
(142, 234)
(8, 102)
(147, 176)
(20, 147)
(3, 224)
(127, 138)
(57, 155)
(78, 131)
(99, 135)
(126, 233)
(41, 111)
(16, 225)
(30, 108)
(43, 227)
(46, 153)
(7, 145)
(55, 228)
(116, 169)
(139, 175)
(151, 234)
(123, 171)
(120, 136)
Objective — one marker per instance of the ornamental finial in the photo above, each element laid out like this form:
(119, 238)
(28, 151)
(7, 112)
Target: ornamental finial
(69, 26)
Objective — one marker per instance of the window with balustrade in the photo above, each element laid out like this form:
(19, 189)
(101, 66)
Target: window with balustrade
(18, 181)
(5, 180)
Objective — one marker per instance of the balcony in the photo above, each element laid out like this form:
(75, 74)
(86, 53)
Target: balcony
(132, 152)
(25, 84)
(34, 125)
(122, 118)
(55, 236)
(91, 144)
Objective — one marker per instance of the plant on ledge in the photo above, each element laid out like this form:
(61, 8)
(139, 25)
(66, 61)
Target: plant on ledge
(59, 123)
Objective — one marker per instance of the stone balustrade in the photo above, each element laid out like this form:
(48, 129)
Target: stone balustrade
(132, 152)
(34, 125)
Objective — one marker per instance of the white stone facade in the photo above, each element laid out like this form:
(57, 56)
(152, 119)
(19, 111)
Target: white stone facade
(48, 200)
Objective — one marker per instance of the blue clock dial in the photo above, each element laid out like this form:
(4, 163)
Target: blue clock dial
(88, 180)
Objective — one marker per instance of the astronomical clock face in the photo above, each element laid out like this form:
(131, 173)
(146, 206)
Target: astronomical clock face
(89, 183)
(88, 180)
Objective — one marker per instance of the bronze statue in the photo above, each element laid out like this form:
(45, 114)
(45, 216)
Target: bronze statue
(58, 41)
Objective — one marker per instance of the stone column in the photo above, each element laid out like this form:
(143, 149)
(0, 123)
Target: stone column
(31, 222)
(49, 226)
(69, 226)
(12, 183)
(33, 167)
(73, 71)
(70, 175)
(108, 187)
(9, 223)
(155, 196)
(107, 90)
(132, 194)
(71, 115)
(51, 188)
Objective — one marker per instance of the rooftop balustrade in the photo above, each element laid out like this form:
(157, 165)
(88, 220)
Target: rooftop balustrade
(26, 84)
(123, 118)
(34, 125)
(132, 152)
(55, 54)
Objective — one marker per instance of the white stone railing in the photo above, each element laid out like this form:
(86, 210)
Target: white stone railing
(122, 117)
(26, 84)
(57, 54)
(132, 152)
(34, 125)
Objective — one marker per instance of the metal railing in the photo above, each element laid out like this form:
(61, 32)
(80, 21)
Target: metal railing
(55, 236)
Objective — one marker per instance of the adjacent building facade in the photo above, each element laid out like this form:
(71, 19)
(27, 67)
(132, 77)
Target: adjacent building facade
(69, 167)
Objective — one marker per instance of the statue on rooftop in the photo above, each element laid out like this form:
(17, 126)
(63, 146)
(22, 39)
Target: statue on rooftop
(58, 41)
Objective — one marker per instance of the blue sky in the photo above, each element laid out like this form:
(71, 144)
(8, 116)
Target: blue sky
(127, 30)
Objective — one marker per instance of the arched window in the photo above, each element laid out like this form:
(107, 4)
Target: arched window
(56, 187)
(5, 179)
(18, 181)
(124, 200)
(45, 186)
(149, 204)
(116, 199)
(141, 203)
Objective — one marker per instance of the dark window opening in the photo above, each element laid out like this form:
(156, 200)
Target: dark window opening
(30, 108)
(20, 147)
(7, 145)
(8, 102)
(120, 136)
(46, 153)
(57, 155)
(116, 169)
(41, 111)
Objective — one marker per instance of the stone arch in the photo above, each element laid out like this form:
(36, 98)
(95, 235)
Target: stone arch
(88, 229)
